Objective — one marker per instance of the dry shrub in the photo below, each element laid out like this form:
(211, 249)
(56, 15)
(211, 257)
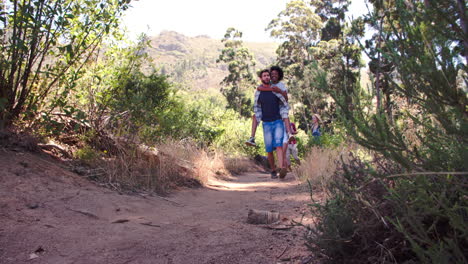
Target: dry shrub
(320, 164)
(136, 167)
(370, 216)
(204, 163)
(238, 165)
(208, 164)
(136, 170)
(132, 167)
(184, 150)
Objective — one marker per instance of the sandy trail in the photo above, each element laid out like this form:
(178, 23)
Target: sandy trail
(68, 219)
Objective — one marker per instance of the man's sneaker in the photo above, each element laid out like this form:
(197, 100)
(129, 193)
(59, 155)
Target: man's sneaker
(283, 173)
(251, 142)
(273, 174)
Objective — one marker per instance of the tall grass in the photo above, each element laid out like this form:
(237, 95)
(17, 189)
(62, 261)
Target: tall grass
(132, 169)
(320, 164)
(136, 167)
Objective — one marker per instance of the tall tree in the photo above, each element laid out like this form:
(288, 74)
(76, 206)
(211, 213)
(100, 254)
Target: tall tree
(424, 75)
(417, 119)
(241, 78)
(315, 33)
(337, 52)
(299, 28)
(332, 13)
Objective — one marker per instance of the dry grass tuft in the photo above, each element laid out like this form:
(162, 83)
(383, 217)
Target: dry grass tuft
(320, 164)
(239, 165)
(136, 167)
(204, 163)
(136, 171)
(208, 164)
(133, 167)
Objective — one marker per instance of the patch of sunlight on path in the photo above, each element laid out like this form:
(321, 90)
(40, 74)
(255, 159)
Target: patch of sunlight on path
(253, 182)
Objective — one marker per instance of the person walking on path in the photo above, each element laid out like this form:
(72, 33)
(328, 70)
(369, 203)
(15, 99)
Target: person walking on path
(277, 87)
(267, 109)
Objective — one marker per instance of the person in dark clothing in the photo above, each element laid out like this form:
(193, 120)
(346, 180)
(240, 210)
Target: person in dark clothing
(269, 108)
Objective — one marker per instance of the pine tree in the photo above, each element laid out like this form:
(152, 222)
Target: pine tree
(418, 51)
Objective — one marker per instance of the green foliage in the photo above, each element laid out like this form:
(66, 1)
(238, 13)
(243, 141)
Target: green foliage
(163, 115)
(215, 126)
(44, 45)
(299, 26)
(140, 96)
(240, 62)
(422, 123)
(186, 119)
(236, 132)
(302, 139)
(432, 213)
(332, 136)
(86, 154)
(338, 231)
(189, 69)
(127, 97)
(315, 32)
(414, 120)
(326, 140)
(194, 67)
(369, 218)
(333, 12)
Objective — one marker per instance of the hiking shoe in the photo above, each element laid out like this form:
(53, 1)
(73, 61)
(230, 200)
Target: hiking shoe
(251, 142)
(273, 174)
(283, 173)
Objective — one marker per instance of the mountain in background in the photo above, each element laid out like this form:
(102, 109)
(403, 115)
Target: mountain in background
(191, 61)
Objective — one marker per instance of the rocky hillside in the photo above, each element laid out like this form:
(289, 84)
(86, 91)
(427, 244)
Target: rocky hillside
(191, 61)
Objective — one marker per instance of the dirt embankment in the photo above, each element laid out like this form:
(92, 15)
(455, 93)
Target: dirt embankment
(50, 215)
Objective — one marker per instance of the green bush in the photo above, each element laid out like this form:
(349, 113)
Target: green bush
(86, 154)
(236, 130)
(326, 140)
(370, 218)
(431, 213)
(182, 120)
(302, 143)
(417, 126)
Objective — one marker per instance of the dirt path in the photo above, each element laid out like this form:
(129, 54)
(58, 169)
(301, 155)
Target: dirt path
(49, 215)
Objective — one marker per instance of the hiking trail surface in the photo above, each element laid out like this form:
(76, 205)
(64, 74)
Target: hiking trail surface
(51, 215)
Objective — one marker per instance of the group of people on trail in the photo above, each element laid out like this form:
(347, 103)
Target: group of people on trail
(272, 108)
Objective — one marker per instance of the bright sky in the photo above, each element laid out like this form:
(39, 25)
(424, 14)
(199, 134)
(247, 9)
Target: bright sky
(209, 17)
